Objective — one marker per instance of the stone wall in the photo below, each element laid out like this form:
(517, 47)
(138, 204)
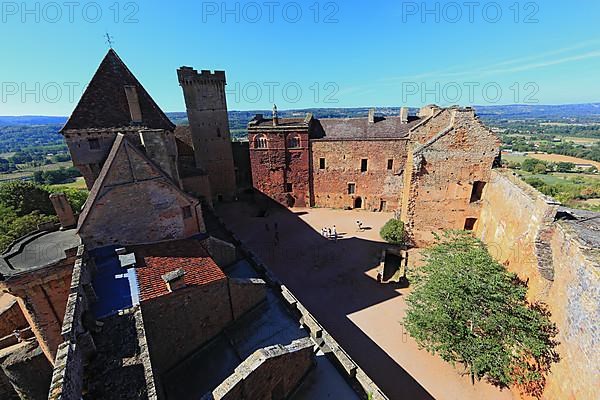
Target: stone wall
(379, 188)
(11, 317)
(277, 167)
(444, 174)
(136, 203)
(518, 225)
(245, 295)
(513, 215)
(270, 373)
(29, 372)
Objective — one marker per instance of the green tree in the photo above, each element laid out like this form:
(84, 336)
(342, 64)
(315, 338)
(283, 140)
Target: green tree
(469, 310)
(393, 232)
(25, 197)
(565, 167)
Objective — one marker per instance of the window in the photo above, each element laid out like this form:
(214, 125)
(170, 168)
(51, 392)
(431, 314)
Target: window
(187, 212)
(477, 191)
(321, 163)
(351, 188)
(390, 164)
(218, 132)
(470, 224)
(294, 142)
(94, 144)
(289, 188)
(261, 142)
(363, 165)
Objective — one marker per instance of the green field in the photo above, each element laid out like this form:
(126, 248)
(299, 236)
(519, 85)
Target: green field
(27, 172)
(79, 183)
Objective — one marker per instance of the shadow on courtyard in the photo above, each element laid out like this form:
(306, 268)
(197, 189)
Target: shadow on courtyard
(330, 279)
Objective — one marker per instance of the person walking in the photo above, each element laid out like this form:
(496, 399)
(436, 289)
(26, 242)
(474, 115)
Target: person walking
(334, 233)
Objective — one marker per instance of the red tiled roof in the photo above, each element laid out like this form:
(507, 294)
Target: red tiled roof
(160, 259)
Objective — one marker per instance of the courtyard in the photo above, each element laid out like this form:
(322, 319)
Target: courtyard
(336, 281)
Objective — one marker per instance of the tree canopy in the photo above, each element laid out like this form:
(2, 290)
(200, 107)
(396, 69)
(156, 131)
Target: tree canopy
(393, 232)
(469, 310)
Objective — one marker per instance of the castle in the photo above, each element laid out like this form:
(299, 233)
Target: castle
(441, 158)
(147, 292)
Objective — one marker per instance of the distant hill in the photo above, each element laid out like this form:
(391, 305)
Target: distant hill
(32, 130)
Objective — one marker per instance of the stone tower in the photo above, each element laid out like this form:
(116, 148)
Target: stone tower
(206, 106)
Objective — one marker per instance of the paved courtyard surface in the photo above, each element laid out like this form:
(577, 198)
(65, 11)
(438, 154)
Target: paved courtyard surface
(336, 281)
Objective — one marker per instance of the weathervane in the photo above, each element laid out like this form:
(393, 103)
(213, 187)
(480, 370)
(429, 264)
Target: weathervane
(109, 40)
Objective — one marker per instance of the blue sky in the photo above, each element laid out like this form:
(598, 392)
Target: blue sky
(348, 54)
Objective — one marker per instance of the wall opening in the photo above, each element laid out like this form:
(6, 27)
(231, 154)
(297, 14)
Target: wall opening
(321, 163)
(351, 188)
(261, 142)
(358, 202)
(94, 144)
(477, 191)
(470, 224)
(363, 165)
(390, 164)
(289, 188)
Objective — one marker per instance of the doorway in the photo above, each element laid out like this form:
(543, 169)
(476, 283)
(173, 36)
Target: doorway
(358, 202)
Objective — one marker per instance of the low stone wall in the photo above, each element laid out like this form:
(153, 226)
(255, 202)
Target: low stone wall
(320, 336)
(272, 372)
(222, 252)
(29, 372)
(246, 294)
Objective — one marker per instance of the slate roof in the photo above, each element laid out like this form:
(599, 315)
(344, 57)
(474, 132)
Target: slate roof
(161, 259)
(104, 102)
(360, 128)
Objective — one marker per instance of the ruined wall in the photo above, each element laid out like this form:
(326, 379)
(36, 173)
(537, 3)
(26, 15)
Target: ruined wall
(276, 167)
(180, 322)
(270, 373)
(512, 216)
(445, 171)
(29, 372)
(517, 223)
(246, 294)
(343, 167)
(11, 316)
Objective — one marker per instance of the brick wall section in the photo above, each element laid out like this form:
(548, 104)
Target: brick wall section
(515, 219)
(246, 294)
(278, 165)
(270, 373)
(11, 317)
(29, 372)
(343, 166)
(445, 170)
(170, 335)
(42, 297)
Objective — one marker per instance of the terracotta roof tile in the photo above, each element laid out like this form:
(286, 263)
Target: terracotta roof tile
(160, 259)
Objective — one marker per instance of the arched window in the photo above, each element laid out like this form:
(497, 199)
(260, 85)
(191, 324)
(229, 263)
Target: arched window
(294, 142)
(261, 142)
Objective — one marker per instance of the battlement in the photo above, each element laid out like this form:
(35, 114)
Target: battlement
(189, 75)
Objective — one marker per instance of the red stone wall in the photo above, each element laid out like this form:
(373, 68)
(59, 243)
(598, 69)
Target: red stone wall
(343, 166)
(278, 165)
(11, 317)
(443, 176)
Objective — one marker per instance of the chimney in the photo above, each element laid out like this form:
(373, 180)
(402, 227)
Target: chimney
(175, 280)
(404, 115)
(63, 210)
(275, 116)
(134, 104)
(372, 116)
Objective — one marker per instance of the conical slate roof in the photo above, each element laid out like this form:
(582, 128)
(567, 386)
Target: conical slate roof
(104, 103)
